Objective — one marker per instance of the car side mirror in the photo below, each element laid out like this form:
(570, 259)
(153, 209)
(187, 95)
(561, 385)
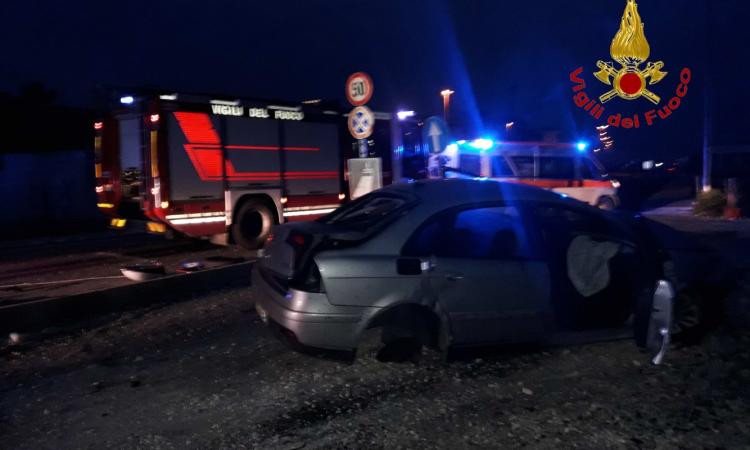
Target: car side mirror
(409, 266)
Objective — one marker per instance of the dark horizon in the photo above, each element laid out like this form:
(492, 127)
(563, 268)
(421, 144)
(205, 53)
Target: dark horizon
(506, 63)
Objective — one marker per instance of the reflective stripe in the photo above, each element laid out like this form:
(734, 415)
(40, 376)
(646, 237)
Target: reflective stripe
(98, 156)
(308, 212)
(198, 220)
(190, 216)
(310, 208)
(154, 157)
(156, 227)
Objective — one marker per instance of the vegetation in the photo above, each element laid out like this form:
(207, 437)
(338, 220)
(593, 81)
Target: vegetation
(710, 204)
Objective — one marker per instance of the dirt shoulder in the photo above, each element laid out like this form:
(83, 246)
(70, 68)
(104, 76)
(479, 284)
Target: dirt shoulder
(205, 373)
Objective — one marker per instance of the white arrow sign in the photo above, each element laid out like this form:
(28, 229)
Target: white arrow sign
(435, 132)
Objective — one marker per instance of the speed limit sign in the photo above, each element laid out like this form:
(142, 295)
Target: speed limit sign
(359, 88)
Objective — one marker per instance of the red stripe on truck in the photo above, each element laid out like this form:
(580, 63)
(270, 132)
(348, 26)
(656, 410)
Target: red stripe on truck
(204, 150)
(272, 148)
(198, 128)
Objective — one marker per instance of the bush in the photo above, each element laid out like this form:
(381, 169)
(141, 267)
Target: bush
(710, 204)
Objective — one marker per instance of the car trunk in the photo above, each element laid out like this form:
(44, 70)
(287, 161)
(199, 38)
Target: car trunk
(289, 251)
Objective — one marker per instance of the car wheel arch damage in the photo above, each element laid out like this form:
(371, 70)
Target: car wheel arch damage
(424, 318)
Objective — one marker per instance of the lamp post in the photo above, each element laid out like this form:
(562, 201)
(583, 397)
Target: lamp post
(446, 93)
(706, 151)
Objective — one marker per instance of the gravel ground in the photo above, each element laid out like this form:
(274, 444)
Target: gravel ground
(206, 373)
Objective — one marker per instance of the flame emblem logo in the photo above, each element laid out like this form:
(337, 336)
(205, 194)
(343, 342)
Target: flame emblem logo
(630, 49)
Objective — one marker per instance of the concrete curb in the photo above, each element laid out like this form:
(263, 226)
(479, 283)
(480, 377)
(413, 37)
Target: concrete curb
(40, 314)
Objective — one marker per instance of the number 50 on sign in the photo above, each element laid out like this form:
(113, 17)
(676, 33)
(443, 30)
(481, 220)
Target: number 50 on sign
(359, 88)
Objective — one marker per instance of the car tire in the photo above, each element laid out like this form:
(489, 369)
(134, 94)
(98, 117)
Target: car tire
(605, 203)
(252, 224)
(399, 345)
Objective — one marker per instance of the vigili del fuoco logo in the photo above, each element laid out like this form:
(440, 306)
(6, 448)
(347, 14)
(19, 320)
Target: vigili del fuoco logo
(630, 77)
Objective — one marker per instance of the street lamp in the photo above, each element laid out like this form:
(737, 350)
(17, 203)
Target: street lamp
(446, 93)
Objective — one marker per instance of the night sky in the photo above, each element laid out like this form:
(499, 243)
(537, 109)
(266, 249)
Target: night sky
(507, 61)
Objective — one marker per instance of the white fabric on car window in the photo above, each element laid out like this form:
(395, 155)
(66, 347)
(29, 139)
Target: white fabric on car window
(588, 264)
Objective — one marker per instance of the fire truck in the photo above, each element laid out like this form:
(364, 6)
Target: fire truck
(218, 166)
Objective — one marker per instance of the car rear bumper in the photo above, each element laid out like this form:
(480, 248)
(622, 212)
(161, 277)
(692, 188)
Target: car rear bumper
(307, 318)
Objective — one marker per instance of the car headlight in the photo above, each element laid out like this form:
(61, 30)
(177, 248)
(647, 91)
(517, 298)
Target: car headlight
(615, 184)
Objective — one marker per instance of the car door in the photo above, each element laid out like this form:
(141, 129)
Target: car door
(486, 272)
(596, 265)
(636, 284)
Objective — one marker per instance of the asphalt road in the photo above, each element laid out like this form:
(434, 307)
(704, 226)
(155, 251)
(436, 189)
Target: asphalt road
(205, 373)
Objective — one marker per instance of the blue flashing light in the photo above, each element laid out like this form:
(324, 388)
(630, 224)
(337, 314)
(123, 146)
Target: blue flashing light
(461, 142)
(581, 146)
(482, 144)
(127, 100)
(451, 148)
(403, 115)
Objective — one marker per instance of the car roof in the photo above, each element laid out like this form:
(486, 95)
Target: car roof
(434, 196)
(454, 192)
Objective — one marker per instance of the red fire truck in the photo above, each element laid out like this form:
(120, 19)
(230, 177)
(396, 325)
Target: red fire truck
(205, 165)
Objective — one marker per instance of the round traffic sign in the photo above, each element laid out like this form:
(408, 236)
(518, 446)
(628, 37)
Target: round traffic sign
(361, 122)
(359, 88)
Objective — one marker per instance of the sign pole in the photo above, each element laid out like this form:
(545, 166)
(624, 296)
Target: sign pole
(364, 150)
(365, 173)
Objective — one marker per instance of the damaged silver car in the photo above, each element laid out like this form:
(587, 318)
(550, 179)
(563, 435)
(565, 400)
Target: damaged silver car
(452, 263)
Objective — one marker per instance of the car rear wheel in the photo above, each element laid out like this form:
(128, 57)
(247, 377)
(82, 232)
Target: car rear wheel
(390, 345)
(404, 334)
(252, 224)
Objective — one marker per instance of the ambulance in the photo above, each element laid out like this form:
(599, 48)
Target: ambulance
(568, 169)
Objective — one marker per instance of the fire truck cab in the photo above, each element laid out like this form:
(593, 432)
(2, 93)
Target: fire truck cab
(568, 169)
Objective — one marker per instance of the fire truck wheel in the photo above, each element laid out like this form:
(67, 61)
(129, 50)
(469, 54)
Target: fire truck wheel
(252, 224)
(605, 203)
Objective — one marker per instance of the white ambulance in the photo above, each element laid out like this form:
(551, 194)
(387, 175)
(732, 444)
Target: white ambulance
(568, 169)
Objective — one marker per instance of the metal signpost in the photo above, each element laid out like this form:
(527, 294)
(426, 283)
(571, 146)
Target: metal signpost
(435, 136)
(365, 174)
(359, 89)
